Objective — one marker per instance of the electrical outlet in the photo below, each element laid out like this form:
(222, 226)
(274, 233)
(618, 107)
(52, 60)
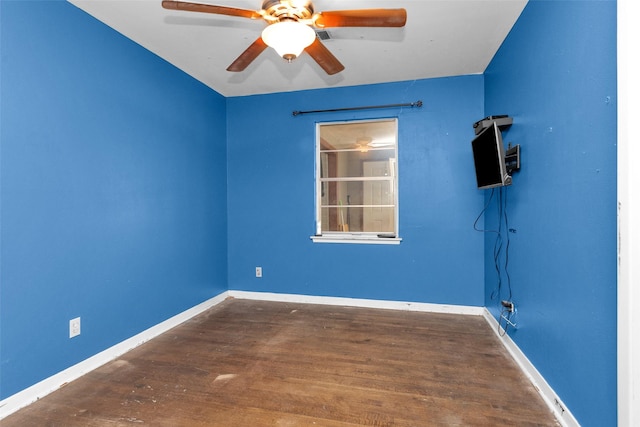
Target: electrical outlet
(74, 327)
(509, 306)
(258, 271)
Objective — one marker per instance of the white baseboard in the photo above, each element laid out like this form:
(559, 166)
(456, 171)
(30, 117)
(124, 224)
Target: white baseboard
(357, 302)
(562, 413)
(37, 391)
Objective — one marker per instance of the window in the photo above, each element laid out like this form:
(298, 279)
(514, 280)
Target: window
(357, 182)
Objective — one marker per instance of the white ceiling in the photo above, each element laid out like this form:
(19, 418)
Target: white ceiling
(441, 38)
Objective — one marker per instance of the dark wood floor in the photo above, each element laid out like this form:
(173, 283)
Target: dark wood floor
(251, 363)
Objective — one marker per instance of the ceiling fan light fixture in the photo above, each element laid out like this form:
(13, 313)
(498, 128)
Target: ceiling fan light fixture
(288, 38)
(381, 144)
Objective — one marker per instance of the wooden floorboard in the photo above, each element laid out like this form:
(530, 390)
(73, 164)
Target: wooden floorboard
(256, 363)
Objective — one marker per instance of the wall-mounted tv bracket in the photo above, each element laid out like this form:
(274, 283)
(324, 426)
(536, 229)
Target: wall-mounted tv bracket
(503, 122)
(512, 158)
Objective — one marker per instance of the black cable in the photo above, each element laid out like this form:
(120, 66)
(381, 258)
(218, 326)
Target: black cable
(499, 243)
(482, 213)
(506, 256)
(497, 246)
(506, 313)
(507, 321)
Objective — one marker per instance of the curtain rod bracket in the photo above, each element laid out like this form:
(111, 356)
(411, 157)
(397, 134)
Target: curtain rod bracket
(370, 107)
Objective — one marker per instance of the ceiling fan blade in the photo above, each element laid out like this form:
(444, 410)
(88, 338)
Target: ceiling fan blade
(248, 55)
(319, 52)
(362, 18)
(209, 8)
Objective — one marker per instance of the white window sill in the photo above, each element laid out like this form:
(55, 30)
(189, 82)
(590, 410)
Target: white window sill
(357, 239)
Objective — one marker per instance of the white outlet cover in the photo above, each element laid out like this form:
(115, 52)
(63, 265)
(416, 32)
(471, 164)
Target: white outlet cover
(74, 327)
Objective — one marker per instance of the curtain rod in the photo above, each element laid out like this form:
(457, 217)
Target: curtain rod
(410, 104)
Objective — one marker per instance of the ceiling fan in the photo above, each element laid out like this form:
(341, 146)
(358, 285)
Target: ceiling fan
(289, 30)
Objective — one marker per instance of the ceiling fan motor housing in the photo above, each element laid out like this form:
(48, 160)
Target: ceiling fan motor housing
(288, 9)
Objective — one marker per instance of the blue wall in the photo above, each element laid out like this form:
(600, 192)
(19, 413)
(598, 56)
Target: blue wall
(113, 186)
(271, 196)
(556, 75)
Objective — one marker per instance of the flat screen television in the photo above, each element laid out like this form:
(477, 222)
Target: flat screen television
(489, 158)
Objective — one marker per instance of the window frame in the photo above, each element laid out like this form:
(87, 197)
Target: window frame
(359, 237)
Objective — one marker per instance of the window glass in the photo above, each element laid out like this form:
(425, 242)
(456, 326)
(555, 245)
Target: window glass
(356, 178)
